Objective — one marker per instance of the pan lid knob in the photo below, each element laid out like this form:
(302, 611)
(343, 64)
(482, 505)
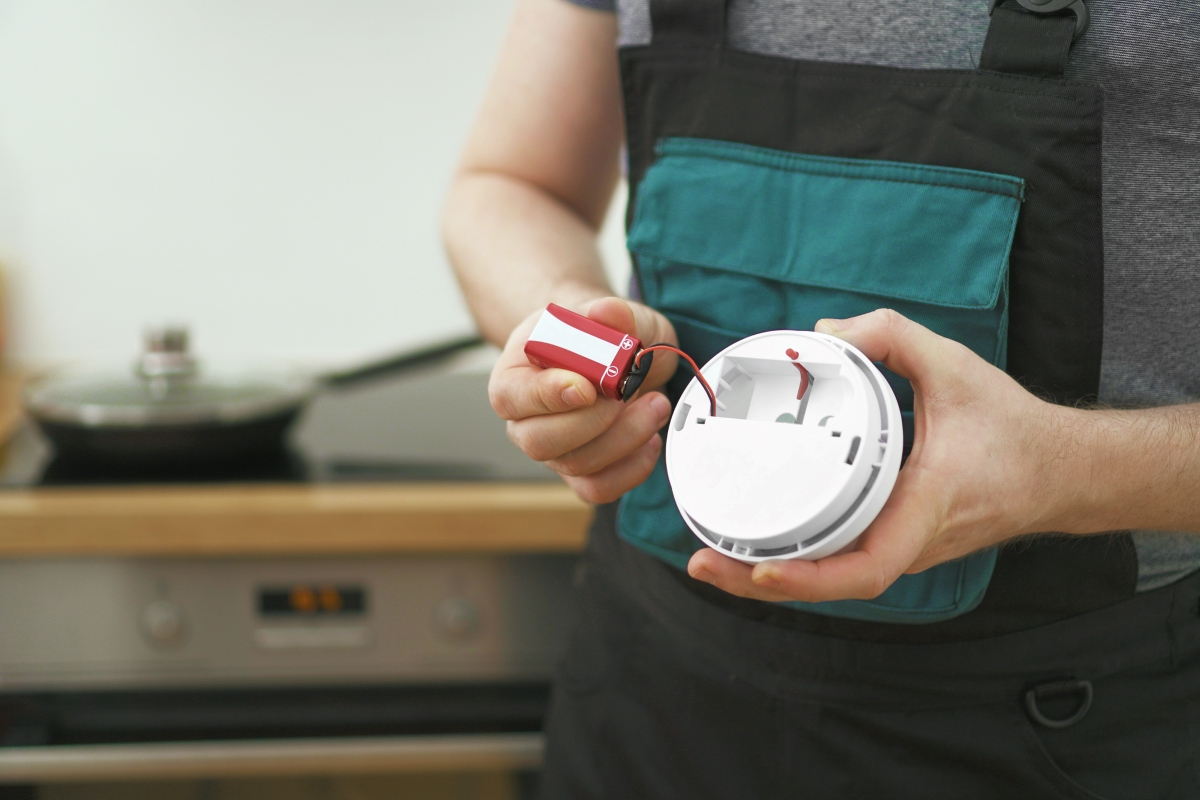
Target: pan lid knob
(165, 353)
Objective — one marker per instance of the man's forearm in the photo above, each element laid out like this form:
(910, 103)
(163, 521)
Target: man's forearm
(515, 248)
(1130, 469)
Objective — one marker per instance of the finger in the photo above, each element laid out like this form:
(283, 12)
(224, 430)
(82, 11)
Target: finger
(522, 391)
(905, 347)
(549, 436)
(616, 479)
(615, 313)
(729, 575)
(885, 551)
(638, 421)
(517, 389)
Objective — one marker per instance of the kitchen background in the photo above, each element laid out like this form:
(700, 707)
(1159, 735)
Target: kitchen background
(269, 171)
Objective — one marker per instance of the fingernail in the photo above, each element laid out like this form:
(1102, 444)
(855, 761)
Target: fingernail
(766, 576)
(830, 325)
(572, 396)
(701, 574)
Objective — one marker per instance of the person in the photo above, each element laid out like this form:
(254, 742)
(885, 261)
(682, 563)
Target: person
(1001, 209)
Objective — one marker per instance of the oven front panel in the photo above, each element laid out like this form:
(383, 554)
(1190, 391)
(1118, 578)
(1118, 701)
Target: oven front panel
(144, 623)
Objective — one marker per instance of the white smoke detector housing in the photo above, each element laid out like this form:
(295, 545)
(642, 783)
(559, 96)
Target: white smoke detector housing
(774, 475)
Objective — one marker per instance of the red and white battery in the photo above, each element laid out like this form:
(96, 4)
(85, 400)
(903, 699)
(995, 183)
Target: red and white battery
(565, 340)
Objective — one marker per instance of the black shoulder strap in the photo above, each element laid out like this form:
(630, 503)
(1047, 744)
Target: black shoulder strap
(1017, 41)
(696, 22)
(1029, 43)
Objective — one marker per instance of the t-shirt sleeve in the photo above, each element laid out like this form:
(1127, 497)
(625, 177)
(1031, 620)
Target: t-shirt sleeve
(599, 5)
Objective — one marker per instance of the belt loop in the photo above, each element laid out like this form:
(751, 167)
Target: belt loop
(1032, 43)
(696, 22)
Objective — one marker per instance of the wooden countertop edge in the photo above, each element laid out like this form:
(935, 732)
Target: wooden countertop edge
(281, 519)
(256, 758)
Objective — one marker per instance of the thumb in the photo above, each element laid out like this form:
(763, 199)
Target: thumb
(905, 347)
(644, 323)
(886, 550)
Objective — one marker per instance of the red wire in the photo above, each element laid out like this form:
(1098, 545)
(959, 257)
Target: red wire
(805, 380)
(712, 397)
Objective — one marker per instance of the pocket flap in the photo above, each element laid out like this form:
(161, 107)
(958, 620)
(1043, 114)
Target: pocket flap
(935, 235)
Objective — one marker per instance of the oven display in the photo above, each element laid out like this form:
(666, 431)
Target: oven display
(309, 600)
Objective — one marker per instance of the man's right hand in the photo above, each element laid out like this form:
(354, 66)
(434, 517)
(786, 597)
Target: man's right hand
(602, 448)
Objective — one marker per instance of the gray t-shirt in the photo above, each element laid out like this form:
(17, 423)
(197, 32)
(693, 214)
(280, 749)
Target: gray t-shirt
(1146, 54)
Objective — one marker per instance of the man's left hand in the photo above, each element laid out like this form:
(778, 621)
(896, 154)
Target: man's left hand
(984, 468)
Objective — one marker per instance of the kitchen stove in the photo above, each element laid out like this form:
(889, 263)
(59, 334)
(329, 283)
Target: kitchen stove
(168, 650)
(432, 423)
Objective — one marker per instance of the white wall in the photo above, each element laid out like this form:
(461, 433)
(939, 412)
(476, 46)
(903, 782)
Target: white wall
(270, 171)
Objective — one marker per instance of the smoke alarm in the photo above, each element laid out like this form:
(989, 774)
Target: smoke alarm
(797, 454)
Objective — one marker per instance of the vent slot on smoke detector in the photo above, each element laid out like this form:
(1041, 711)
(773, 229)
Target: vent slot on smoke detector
(854, 443)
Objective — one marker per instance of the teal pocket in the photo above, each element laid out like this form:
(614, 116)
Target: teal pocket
(731, 240)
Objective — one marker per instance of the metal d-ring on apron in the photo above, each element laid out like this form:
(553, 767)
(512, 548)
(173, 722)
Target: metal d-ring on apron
(1070, 687)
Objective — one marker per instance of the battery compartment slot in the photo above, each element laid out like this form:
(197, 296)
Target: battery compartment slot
(768, 390)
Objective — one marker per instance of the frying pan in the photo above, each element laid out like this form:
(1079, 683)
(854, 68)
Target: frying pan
(170, 412)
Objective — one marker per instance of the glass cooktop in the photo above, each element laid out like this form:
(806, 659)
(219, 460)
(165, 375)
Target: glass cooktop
(434, 424)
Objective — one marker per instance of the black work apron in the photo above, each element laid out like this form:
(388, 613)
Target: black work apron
(1059, 682)
(663, 694)
(769, 192)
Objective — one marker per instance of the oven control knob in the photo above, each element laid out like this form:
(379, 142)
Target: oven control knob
(457, 618)
(164, 623)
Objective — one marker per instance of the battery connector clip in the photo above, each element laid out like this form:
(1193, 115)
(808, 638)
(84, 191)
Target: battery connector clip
(637, 375)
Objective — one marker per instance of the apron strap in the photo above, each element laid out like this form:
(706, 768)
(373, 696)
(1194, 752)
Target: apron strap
(1019, 42)
(1027, 44)
(695, 22)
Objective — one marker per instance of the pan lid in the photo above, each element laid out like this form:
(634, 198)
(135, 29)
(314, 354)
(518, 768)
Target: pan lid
(167, 386)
